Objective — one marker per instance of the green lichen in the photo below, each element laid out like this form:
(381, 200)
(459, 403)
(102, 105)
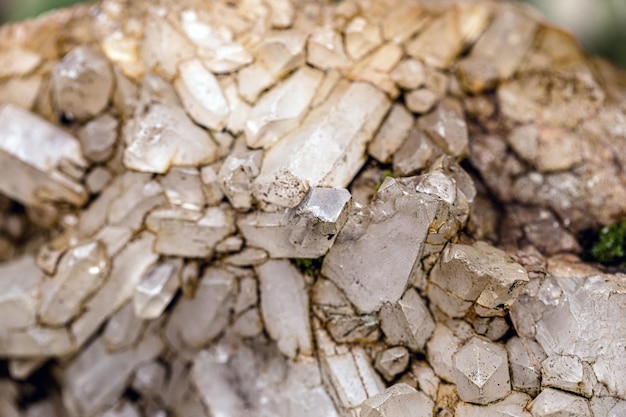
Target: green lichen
(610, 247)
(310, 267)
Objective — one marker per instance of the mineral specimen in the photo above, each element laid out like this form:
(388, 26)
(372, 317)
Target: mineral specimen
(319, 209)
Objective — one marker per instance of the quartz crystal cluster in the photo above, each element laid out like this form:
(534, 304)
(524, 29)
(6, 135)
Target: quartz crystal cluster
(307, 208)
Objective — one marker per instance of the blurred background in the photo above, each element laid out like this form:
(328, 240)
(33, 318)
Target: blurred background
(599, 24)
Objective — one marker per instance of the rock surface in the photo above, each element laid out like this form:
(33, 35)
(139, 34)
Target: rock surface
(316, 209)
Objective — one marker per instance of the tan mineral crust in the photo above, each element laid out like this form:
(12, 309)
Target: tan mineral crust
(303, 208)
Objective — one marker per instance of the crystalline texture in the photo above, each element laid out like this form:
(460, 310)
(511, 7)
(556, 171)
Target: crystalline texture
(481, 371)
(156, 289)
(554, 403)
(326, 150)
(82, 83)
(38, 175)
(399, 400)
(374, 254)
(285, 307)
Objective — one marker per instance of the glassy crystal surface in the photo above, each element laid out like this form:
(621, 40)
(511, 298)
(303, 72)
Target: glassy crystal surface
(398, 400)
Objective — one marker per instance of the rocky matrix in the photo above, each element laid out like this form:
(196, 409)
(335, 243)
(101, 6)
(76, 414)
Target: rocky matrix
(312, 209)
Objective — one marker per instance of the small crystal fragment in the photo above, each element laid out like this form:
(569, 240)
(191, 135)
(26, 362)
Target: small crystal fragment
(18, 61)
(18, 302)
(481, 371)
(499, 51)
(552, 402)
(247, 257)
(201, 95)
(306, 231)
(285, 307)
(156, 289)
(80, 272)
(353, 263)
(97, 179)
(421, 100)
(328, 148)
(440, 349)
(197, 321)
(391, 362)
(183, 187)
(568, 373)
(236, 175)
(447, 128)
(361, 37)
(416, 153)
(409, 74)
(325, 49)
(164, 47)
(38, 175)
(514, 405)
(399, 400)
(407, 322)
(281, 109)
(123, 329)
(165, 136)
(391, 134)
(461, 25)
(194, 237)
(98, 138)
(81, 83)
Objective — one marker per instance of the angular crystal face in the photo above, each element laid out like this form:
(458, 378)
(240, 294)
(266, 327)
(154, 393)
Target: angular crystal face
(317, 209)
(481, 371)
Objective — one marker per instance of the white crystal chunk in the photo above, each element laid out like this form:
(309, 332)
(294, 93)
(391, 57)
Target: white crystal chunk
(361, 37)
(282, 108)
(481, 371)
(568, 373)
(391, 362)
(183, 187)
(165, 136)
(525, 357)
(38, 176)
(552, 402)
(440, 350)
(514, 405)
(80, 273)
(394, 130)
(18, 297)
(81, 83)
(325, 49)
(201, 95)
(407, 322)
(164, 47)
(371, 269)
(399, 400)
(285, 307)
(98, 138)
(18, 61)
(326, 150)
(123, 329)
(156, 289)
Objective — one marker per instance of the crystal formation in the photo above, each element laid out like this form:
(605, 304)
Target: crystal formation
(316, 209)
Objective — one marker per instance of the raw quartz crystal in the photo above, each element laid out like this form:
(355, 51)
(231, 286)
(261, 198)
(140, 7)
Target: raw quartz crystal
(333, 209)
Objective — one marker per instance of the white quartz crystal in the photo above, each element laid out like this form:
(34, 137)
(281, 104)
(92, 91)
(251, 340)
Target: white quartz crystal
(407, 321)
(370, 269)
(391, 362)
(461, 26)
(164, 47)
(361, 37)
(478, 273)
(156, 289)
(18, 61)
(98, 138)
(197, 321)
(127, 269)
(165, 136)
(282, 108)
(285, 307)
(514, 405)
(447, 128)
(399, 400)
(183, 187)
(481, 372)
(96, 378)
(525, 357)
(81, 83)
(38, 176)
(201, 94)
(552, 402)
(193, 236)
(306, 231)
(394, 130)
(325, 49)
(326, 150)
(568, 373)
(18, 297)
(80, 273)
(440, 350)
(123, 329)
(236, 175)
